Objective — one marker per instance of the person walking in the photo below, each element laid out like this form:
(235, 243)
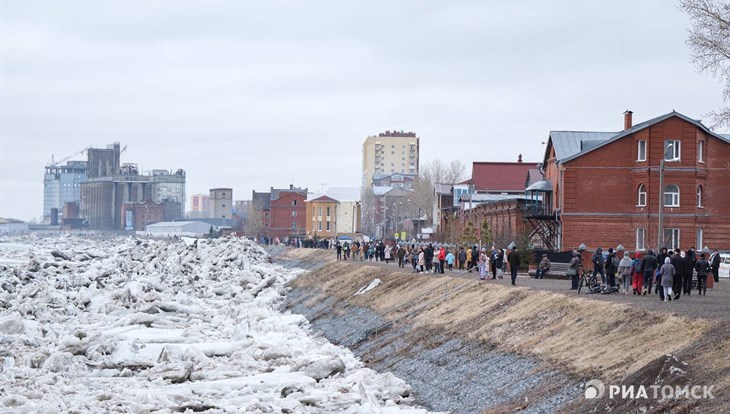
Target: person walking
(468, 258)
(573, 269)
(637, 273)
(421, 260)
(450, 260)
(624, 273)
(649, 265)
(678, 262)
(598, 264)
(500, 264)
(494, 262)
(482, 265)
(715, 266)
(442, 259)
(428, 256)
(667, 280)
(514, 263)
(338, 246)
(690, 259)
(414, 258)
(611, 267)
(703, 268)
(461, 258)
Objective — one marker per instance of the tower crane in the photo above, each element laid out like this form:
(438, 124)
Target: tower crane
(64, 159)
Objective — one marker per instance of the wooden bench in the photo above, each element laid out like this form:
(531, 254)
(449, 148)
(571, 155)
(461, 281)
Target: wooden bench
(557, 270)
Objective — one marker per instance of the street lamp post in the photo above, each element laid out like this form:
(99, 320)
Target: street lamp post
(660, 232)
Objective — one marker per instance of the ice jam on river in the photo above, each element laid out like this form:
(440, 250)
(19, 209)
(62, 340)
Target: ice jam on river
(127, 325)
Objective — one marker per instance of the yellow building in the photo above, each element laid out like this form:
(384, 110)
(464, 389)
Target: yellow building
(321, 217)
(389, 152)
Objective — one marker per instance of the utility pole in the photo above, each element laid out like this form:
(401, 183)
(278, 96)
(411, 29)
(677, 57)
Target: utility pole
(660, 232)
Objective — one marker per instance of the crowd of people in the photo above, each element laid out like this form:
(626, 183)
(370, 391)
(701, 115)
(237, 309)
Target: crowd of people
(670, 274)
(435, 258)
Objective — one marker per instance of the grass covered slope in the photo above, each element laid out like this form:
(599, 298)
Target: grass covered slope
(590, 339)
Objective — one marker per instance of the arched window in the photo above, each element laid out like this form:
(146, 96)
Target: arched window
(671, 196)
(699, 196)
(641, 197)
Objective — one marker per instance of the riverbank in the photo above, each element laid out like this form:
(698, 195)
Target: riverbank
(499, 348)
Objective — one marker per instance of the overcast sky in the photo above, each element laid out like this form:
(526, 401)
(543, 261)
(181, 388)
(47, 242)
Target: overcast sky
(250, 95)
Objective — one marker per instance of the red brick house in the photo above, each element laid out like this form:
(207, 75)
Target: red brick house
(281, 211)
(603, 188)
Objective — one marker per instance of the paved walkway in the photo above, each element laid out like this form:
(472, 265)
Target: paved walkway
(715, 305)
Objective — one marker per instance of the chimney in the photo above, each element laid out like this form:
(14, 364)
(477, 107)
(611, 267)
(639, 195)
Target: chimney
(291, 186)
(519, 158)
(628, 121)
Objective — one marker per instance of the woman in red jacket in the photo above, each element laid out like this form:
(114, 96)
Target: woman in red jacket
(442, 259)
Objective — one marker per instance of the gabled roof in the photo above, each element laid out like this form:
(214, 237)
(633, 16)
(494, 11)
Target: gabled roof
(322, 199)
(570, 145)
(500, 176)
(276, 193)
(533, 176)
(396, 191)
(379, 190)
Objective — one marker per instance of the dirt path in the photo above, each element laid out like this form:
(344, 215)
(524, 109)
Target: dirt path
(715, 305)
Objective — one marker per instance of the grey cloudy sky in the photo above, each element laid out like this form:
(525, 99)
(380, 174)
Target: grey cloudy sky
(247, 94)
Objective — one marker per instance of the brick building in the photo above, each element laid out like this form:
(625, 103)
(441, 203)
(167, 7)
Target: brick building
(137, 215)
(321, 217)
(280, 213)
(603, 188)
(502, 213)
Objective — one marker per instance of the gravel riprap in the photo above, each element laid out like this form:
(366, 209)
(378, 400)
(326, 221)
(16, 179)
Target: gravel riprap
(446, 374)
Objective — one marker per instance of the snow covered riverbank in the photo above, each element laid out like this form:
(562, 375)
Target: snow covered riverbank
(128, 325)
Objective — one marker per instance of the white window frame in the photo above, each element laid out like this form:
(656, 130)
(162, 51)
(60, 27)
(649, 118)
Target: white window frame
(699, 196)
(676, 154)
(319, 212)
(641, 150)
(701, 152)
(671, 238)
(293, 213)
(641, 196)
(319, 226)
(328, 211)
(700, 236)
(640, 239)
(328, 226)
(673, 196)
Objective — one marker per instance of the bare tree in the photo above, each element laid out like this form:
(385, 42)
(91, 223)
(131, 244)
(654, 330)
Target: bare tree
(367, 200)
(435, 172)
(709, 39)
(255, 223)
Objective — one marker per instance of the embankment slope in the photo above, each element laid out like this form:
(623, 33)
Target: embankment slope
(575, 336)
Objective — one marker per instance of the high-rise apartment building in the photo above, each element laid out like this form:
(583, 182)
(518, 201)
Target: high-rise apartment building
(62, 184)
(389, 152)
